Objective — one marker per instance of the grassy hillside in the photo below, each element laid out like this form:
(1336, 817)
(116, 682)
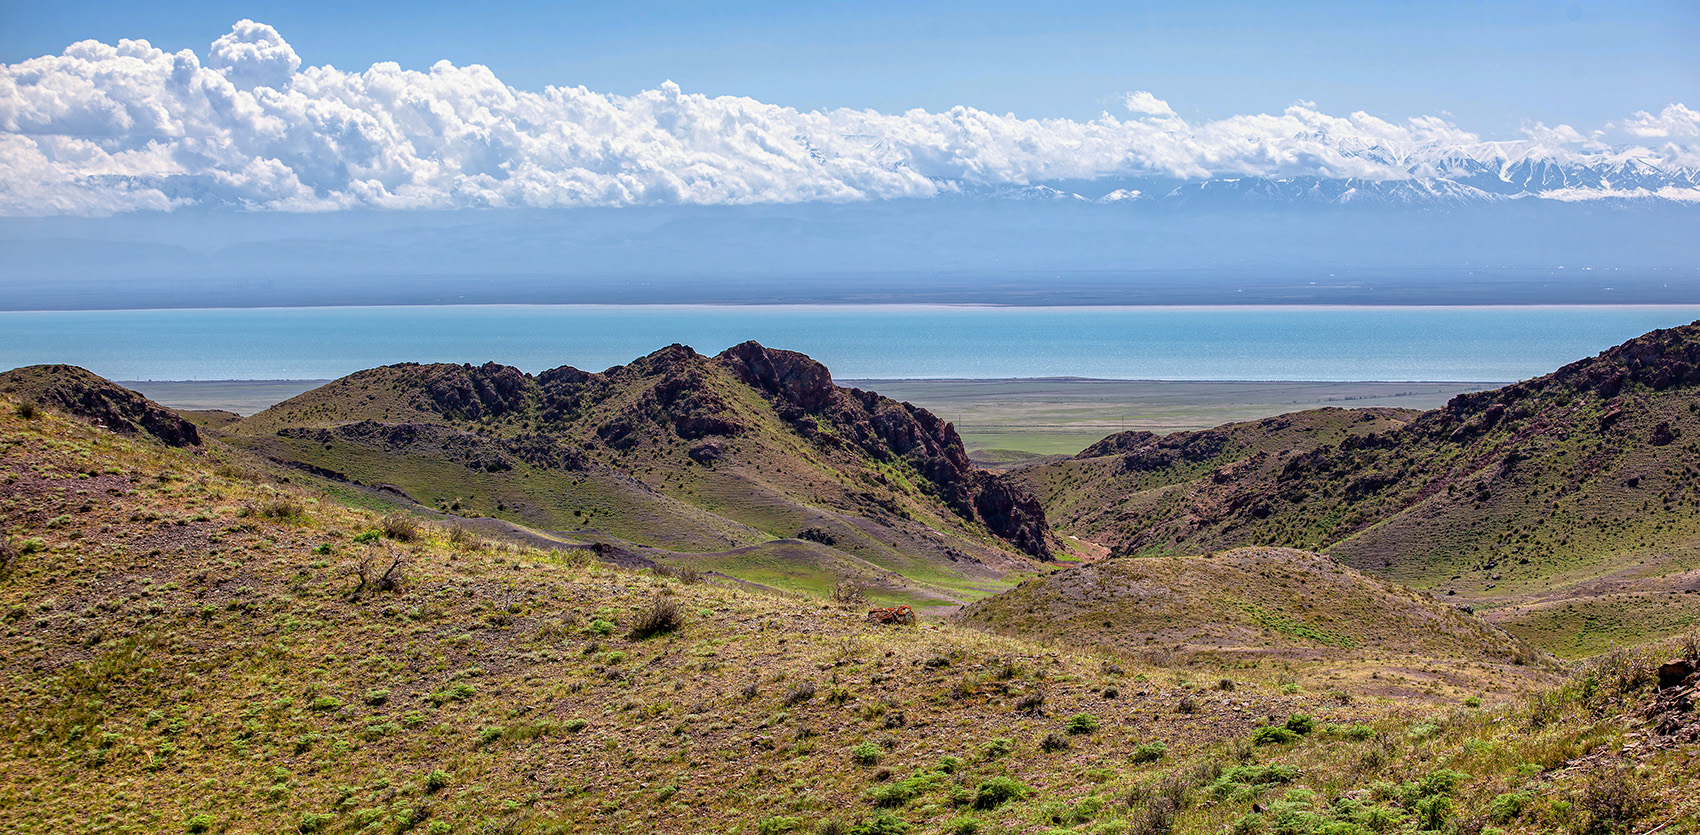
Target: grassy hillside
(677, 453)
(1327, 625)
(1562, 503)
(195, 646)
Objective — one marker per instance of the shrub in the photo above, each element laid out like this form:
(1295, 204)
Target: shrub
(883, 823)
(995, 748)
(25, 410)
(1053, 741)
(800, 693)
(1150, 752)
(662, 616)
(962, 825)
(849, 594)
(574, 725)
(377, 695)
(778, 825)
(996, 791)
(1300, 724)
(399, 527)
(1273, 735)
(457, 693)
(199, 823)
(1432, 813)
(1030, 702)
(313, 822)
(1613, 802)
(437, 780)
(1082, 723)
(1187, 704)
(903, 791)
(948, 764)
(1508, 807)
(32, 545)
(8, 554)
(326, 703)
(368, 537)
(865, 754)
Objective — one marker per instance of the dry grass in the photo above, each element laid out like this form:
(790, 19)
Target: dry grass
(169, 659)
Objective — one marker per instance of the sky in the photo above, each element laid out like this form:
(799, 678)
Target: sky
(1492, 67)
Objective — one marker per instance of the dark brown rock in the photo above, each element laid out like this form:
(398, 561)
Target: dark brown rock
(1674, 672)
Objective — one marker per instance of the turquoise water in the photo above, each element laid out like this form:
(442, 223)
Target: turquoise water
(873, 342)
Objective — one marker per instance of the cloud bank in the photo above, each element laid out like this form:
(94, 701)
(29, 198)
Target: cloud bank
(101, 129)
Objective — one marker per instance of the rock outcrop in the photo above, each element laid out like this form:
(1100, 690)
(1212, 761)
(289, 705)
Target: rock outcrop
(81, 393)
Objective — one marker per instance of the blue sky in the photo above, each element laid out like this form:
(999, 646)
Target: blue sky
(1490, 67)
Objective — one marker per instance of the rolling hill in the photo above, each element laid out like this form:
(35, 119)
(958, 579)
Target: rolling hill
(198, 642)
(1568, 505)
(718, 458)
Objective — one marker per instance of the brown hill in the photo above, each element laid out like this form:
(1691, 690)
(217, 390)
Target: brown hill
(84, 394)
(1260, 605)
(1575, 489)
(676, 451)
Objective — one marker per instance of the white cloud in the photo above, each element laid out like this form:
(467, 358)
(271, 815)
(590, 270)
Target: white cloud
(101, 128)
(1144, 103)
(1675, 121)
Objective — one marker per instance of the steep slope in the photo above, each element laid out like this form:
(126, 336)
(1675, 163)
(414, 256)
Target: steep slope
(675, 451)
(1578, 486)
(1253, 605)
(79, 392)
(190, 650)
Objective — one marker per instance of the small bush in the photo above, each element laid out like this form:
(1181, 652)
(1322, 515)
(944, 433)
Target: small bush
(25, 410)
(662, 616)
(400, 527)
(962, 825)
(377, 696)
(314, 822)
(437, 780)
(849, 594)
(1053, 741)
(1030, 702)
(800, 693)
(199, 823)
(326, 703)
(1150, 752)
(778, 825)
(996, 791)
(368, 537)
(883, 823)
(1612, 803)
(995, 748)
(457, 693)
(1225, 685)
(1082, 723)
(1273, 735)
(33, 545)
(1187, 704)
(1300, 724)
(865, 754)
(8, 554)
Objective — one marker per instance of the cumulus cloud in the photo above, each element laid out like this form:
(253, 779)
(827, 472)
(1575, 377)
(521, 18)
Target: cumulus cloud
(103, 128)
(1144, 103)
(1675, 121)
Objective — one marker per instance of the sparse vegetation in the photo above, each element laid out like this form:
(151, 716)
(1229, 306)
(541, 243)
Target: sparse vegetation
(661, 616)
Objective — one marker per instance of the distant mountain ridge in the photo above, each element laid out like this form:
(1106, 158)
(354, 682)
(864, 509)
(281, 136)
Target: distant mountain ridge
(1438, 176)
